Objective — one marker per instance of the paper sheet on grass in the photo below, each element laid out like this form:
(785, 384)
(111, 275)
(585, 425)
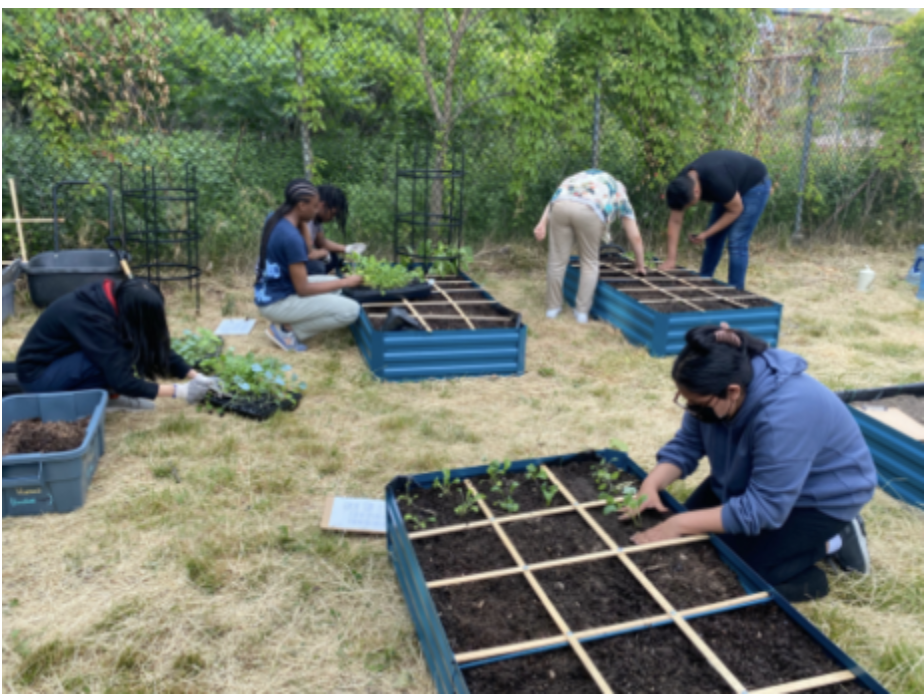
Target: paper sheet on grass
(897, 420)
(358, 515)
(235, 327)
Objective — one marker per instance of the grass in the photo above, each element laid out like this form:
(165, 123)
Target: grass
(221, 581)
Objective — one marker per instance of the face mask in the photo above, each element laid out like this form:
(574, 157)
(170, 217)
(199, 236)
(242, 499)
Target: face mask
(704, 414)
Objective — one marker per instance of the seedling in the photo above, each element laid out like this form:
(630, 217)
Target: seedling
(382, 275)
(418, 522)
(534, 473)
(469, 504)
(509, 504)
(549, 491)
(496, 472)
(444, 484)
(194, 347)
(632, 502)
(407, 499)
(604, 477)
(612, 505)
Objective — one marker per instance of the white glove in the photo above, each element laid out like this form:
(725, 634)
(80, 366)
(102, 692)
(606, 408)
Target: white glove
(195, 390)
(357, 248)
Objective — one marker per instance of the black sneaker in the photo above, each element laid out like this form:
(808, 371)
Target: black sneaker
(854, 554)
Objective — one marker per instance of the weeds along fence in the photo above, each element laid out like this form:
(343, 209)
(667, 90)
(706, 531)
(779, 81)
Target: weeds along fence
(255, 97)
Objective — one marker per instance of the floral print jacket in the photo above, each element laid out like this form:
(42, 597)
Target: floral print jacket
(600, 191)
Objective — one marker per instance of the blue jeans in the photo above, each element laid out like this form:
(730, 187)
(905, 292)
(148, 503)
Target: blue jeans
(73, 372)
(738, 235)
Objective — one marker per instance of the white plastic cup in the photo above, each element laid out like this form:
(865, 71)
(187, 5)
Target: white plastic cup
(865, 279)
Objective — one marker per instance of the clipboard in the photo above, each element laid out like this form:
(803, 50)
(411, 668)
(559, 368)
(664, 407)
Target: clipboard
(354, 515)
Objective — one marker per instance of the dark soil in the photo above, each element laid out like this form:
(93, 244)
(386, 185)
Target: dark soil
(527, 495)
(34, 436)
(853, 687)
(554, 672)
(601, 593)
(462, 553)
(550, 538)
(577, 477)
(622, 532)
(912, 405)
(425, 307)
(672, 569)
(430, 503)
(656, 661)
(763, 647)
(492, 613)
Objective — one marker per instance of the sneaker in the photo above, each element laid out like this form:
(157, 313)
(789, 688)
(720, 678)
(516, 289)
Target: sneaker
(854, 553)
(129, 403)
(581, 318)
(552, 313)
(285, 339)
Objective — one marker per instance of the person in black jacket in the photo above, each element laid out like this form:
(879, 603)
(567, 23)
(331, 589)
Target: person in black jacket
(111, 336)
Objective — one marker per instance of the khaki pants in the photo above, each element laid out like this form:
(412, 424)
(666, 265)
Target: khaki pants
(309, 316)
(570, 221)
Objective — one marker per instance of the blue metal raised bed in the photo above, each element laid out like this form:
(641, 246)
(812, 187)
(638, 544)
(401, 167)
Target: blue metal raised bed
(451, 671)
(443, 354)
(899, 459)
(663, 333)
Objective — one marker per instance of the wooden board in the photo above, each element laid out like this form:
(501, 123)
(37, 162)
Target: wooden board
(896, 419)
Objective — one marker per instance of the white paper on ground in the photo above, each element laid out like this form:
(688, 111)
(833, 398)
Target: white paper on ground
(235, 327)
(354, 515)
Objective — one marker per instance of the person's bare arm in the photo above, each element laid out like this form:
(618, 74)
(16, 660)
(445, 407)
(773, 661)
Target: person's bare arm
(303, 288)
(674, 226)
(733, 210)
(630, 227)
(540, 229)
(324, 243)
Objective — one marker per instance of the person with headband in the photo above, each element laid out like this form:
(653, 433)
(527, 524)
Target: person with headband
(790, 470)
(113, 336)
(582, 209)
(297, 306)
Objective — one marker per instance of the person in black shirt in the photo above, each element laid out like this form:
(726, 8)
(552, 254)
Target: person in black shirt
(738, 186)
(109, 336)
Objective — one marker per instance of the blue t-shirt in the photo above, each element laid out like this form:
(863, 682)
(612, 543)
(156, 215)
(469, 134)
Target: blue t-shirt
(286, 246)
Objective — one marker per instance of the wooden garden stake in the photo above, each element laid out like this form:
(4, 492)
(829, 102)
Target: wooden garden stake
(455, 306)
(417, 316)
(803, 685)
(18, 219)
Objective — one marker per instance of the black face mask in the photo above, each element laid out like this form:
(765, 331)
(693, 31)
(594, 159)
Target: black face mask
(704, 414)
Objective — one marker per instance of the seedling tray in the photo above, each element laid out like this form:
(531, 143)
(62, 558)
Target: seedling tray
(256, 408)
(466, 332)
(899, 459)
(502, 615)
(656, 311)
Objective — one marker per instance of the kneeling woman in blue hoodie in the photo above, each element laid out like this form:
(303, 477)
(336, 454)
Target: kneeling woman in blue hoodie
(790, 469)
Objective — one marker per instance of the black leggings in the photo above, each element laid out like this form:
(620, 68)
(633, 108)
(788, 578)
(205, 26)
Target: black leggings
(784, 557)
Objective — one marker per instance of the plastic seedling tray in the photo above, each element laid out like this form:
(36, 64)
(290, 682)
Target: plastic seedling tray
(899, 459)
(256, 408)
(499, 598)
(54, 482)
(474, 348)
(661, 332)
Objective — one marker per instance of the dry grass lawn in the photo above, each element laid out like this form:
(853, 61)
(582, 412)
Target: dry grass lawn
(222, 582)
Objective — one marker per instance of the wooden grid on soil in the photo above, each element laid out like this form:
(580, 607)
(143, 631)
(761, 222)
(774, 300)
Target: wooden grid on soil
(669, 616)
(440, 287)
(683, 283)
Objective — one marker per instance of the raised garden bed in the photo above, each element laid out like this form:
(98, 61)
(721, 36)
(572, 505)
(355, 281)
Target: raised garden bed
(463, 331)
(899, 458)
(657, 310)
(548, 598)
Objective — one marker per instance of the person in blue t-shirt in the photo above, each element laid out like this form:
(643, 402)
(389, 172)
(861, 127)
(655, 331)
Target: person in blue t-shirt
(790, 470)
(297, 307)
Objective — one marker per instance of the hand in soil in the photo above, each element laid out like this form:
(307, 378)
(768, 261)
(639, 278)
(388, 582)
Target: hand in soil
(663, 532)
(652, 501)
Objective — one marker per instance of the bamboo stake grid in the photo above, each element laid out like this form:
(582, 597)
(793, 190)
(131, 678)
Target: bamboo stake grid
(567, 637)
(457, 305)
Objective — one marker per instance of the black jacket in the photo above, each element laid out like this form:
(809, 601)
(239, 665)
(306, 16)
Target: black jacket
(85, 320)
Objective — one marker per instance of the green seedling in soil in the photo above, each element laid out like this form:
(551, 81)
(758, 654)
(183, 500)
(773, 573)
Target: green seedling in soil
(407, 499)
(445, 484)
(604, 477)
(496, 472)
(193, 347)
(632, 503)
(419, 523)
(380, 274)
(508, 504)
(469, 504)
(246, 377)
(549, 491)
(612, 504)
(535, 473)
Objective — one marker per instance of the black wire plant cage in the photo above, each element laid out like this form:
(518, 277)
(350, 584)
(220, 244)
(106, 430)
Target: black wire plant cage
(160, 212)
(429, 208)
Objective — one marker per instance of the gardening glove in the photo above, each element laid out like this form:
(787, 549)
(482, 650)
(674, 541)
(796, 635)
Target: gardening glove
(195, 390)
(211, 382)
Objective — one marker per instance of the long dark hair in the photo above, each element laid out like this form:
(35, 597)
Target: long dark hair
(296, 190)
(143, 326)
(707, 366)
(333, 197)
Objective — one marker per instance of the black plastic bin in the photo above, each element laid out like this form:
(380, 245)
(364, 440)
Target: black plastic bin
(53, 274)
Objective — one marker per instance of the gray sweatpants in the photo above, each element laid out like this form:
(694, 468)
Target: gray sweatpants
(309, 316)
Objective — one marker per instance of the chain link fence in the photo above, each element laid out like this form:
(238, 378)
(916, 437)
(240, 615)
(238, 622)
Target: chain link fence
(251, 102)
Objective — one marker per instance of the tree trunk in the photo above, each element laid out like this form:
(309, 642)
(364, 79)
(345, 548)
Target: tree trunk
(307, 156)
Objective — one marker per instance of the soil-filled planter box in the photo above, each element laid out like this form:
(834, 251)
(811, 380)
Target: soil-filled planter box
(256, 408)
(657, 311)
(413, 291)
(552, 597)
(899, 458)
(52, 482)
(463, 331)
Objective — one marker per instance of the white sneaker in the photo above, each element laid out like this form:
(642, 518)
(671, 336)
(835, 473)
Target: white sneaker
(581, 318)
(853, 556)
(129, 403)
(552, 313)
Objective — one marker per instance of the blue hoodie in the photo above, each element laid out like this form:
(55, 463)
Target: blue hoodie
(793, 444)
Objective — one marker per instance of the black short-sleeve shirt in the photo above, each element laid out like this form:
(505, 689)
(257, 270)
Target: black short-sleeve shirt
(723, 173)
